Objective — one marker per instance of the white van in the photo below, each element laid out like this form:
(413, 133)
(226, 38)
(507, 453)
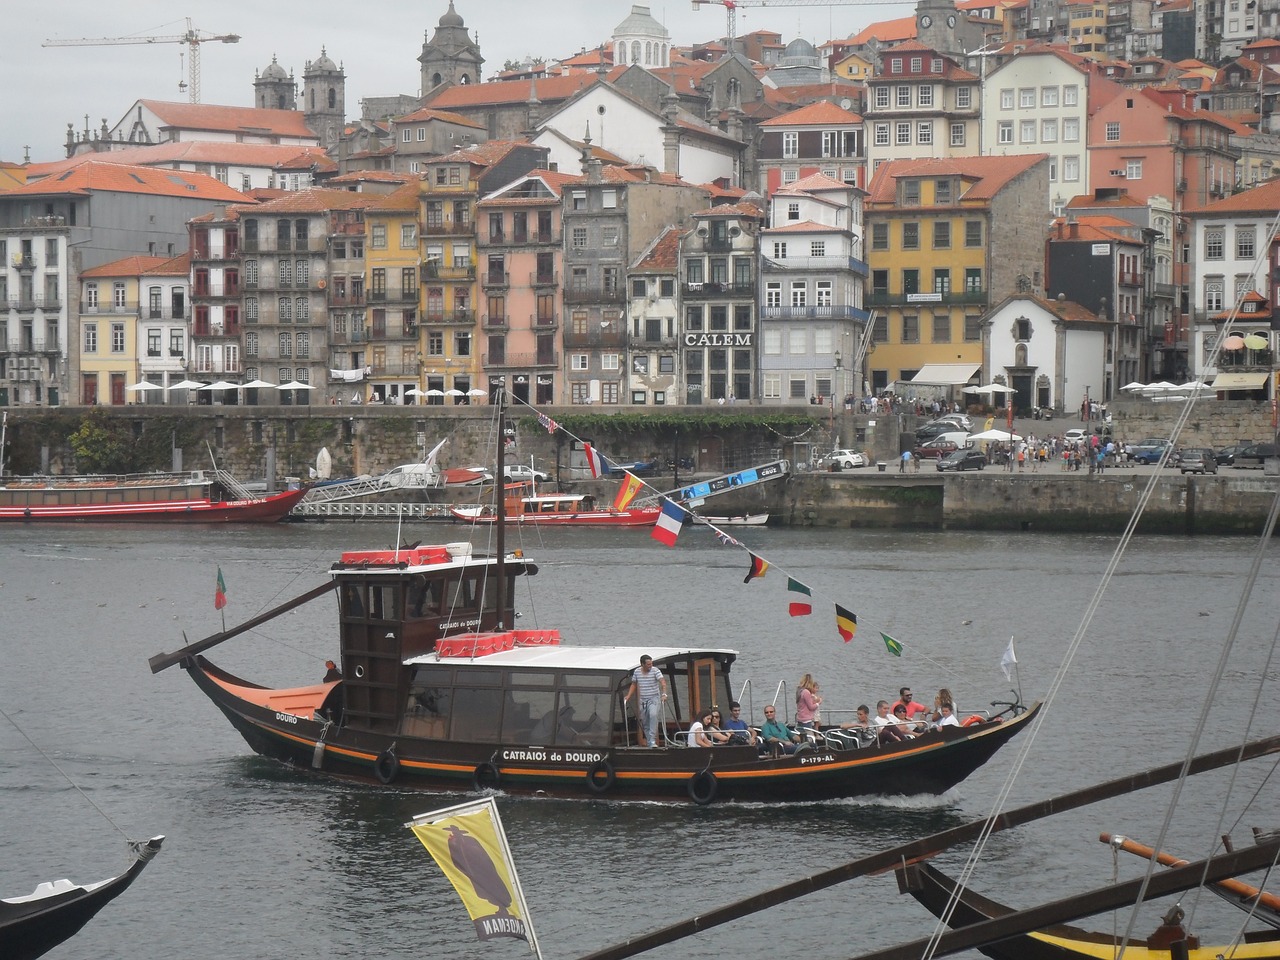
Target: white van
(959, 437)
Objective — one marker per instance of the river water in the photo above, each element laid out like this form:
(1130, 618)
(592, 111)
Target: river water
(264, 862)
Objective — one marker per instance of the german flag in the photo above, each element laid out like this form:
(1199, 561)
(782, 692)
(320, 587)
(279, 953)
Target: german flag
(846, 623)
(759, 567)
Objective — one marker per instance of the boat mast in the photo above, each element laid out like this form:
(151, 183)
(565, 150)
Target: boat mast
(500, 508)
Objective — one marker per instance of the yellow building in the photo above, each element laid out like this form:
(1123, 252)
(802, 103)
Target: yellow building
(936, 264)
(853, 66)
(1087, 28)
(110, 331)
(391, 280)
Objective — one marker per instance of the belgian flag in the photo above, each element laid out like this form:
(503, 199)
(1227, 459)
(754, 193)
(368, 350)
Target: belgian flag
(846, 623)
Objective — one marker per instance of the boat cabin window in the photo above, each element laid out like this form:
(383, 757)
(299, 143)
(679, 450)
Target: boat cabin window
(424, 597)
(370, 601)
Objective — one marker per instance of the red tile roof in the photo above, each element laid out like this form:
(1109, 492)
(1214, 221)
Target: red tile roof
(371, 176)
(1121, 200)
(125, 267)
(664, 253)
(482, 154)
(427, 113)
(815, 182)
(276, 156)
(105, 177)
(822, 112)
(886, 31)
(179, 266)
(744, 208)
(318, 200)
(401, 200)
(989, 175)
(1262, 199)
(548, 90)
(210, 116)
(1091, 228)
(804, 226)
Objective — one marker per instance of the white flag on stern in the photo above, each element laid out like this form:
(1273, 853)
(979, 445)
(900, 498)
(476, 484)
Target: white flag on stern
(1008, 660)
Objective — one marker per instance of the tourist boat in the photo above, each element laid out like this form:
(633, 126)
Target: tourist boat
(196, 497)
(557, 509)
(934, 890)
(32, 925)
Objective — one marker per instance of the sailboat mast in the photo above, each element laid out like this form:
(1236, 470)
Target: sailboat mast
(500, 508)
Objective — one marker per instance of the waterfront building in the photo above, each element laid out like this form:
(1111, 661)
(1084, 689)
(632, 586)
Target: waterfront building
(430, 133)
(812, 280)
(920, 103)
(653, 346)
(520, 248)
(719, 258)
(822, 137)
(948, 238)
(392, 258)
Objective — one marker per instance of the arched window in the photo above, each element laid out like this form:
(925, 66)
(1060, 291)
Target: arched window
(664, 55)
(648, 53)
(622, 52)
(635, 51)
(435, 79)
(333, 98)
(1020, 354)
(312, 95)
(465, 79)
(280, 104)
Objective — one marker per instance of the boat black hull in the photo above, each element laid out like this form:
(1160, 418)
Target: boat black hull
(32, 928)
(929, 765)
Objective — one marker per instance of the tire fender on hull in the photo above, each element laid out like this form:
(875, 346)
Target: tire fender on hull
(486, 776)
(600, 776)
(703, 787)
(387, 766)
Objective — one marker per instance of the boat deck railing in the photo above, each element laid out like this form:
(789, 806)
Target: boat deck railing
(236, 489)
(364, 510)
(345, 491)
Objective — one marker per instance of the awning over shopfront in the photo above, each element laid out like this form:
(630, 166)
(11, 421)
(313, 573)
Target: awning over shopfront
(1240, 381)
(948, 374)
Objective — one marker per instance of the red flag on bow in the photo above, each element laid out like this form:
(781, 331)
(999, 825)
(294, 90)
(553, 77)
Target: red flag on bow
(220, 592)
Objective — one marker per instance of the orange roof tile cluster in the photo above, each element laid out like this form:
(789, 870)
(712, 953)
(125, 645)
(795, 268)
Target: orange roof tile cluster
(989, 175)
(823, 112)
(482, 154)
(276, 156)
(445, 116)
(211, 117)
(886, 31)
(105, 177)
(124, 267)
(663, 255)
(318, 200)
(404, 199)
(1090, 228)
(1263, 199)
(371, 176)
(1119, 200)
(804, 226)
(179, 266)
(744, 208)
(495, 93)
(814, 182)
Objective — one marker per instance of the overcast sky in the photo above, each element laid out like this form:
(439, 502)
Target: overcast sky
(376, 41)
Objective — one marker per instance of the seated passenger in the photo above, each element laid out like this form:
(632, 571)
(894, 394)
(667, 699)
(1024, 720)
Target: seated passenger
(716, 735)
(907, 700)
(946, 716)
(775, 735)
(886, 727)
(906, 726)
(862, 726)
(739, 732)
(697, 732)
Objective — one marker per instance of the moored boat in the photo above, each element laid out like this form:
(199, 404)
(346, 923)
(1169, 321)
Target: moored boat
(436, 693)
(195, 497)
(32, 925)
(558, 509)
(739, 520)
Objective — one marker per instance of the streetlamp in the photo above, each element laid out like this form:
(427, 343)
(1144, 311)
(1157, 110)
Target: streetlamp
(1087, 408)
(835, 388)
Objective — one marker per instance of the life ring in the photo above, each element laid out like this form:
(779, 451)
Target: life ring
(387, 766)
(594, 773)
(702, 787)
(486, 776)
(971, 720)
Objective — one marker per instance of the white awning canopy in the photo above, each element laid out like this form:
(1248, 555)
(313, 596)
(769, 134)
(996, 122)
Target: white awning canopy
(1240, 381)
(951, 374)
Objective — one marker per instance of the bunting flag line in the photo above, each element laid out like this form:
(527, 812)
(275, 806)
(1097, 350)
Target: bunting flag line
(627, 492)
(545, 421)
(669, 523)
(468, 844)
(220, 592)
(595, 462)
(846, 623)
(727, 540)
(759, 567)
(893, 645)
(799, 608)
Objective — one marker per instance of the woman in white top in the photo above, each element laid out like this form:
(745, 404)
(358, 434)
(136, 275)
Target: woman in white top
(697, 734)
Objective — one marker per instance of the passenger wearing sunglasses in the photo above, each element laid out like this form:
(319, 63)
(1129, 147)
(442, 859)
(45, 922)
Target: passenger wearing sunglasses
(774, 734)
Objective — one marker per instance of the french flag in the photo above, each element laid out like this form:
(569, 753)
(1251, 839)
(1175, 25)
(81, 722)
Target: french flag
(595, 462)
(669, 523)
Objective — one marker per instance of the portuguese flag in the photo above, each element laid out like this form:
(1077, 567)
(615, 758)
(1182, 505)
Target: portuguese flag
(220, 592)
(802, 605)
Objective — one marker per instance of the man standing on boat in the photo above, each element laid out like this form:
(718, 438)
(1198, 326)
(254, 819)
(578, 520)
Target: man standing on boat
(648, 681)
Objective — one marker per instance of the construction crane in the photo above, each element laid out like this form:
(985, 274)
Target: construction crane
(193, 38)
(731, 9)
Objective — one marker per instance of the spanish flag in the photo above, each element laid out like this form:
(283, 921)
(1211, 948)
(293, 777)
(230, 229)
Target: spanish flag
(846, 623)
(627, 492)
(799, 607)
(469, 845)
(759, 567)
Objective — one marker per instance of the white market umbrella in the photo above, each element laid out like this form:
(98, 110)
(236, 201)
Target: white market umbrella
(477, 392)
(295, 385)
(415, 392)
(454, 393)
(186, 385)
(219, 385)
(1164, 386)
(996, 388)
(434, 393)
(1135, 386)
(1001, 435)
(258, 385)
(142, 385)
(1193, 386)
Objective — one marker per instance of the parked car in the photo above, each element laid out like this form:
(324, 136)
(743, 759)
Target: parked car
(1198, 460)
(931, 431)
(1253, 455)
(963, 419)
(641, 468)
(1075, 435)
(1152, 450)
(935, 449)
(1227, 455)
(844, 460)
(515, 472)
(967, 458)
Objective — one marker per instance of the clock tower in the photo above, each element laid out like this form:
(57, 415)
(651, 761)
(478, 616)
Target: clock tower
(940, 27)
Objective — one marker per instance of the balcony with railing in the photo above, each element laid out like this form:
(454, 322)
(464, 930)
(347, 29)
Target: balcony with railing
(880, 298)
(448, 228)
(217, 288)
(793, 264)
(605, 294)
(165, 313)
(718, 290)
(209, 365)
(29, 302)
(1129, 278)
(541, 322)
(614, 335)
(544, 279)
(456, 316)
(495, 278)
(832, 312)
(495, 322)
(24, 263)
(346, 300)
(123, 307)
(345, 228)
(434, 270)
(204, 328)
(36, 345)
(521, 361)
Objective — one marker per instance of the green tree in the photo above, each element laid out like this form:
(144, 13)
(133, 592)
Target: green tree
(102, 445)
